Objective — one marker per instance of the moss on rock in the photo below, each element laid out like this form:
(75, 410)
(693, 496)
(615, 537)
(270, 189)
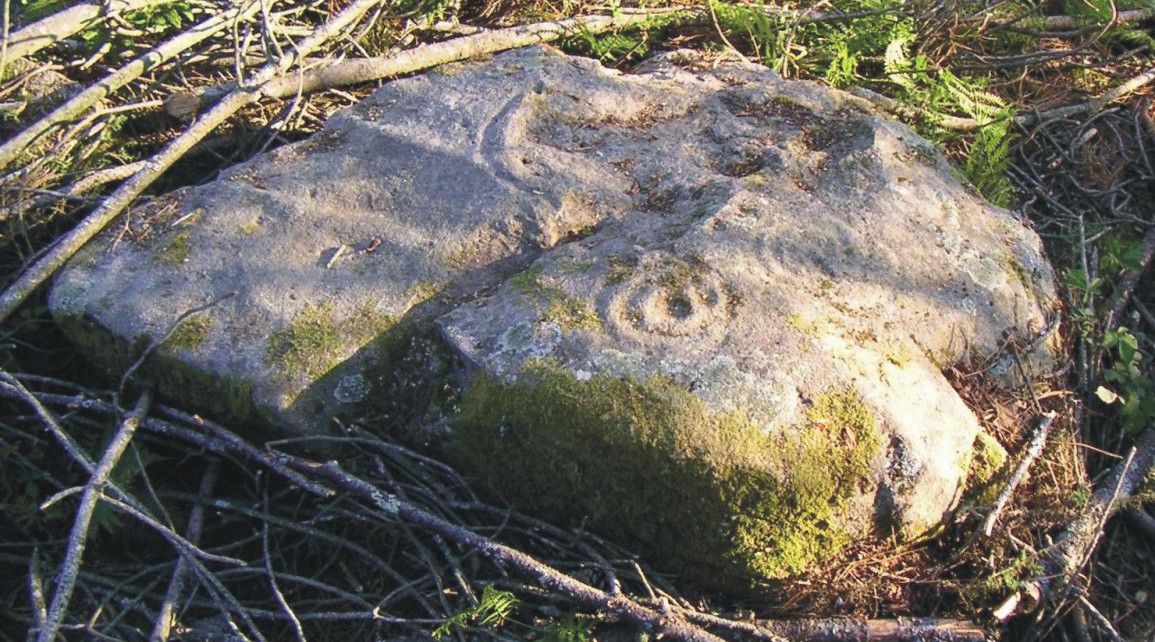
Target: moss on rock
(190, 334)
(313, 343)
(176, 251)
(988, 467)
(555, 304)
(173, 377)
(648, 463)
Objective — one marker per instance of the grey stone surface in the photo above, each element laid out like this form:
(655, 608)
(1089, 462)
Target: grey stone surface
(758, 242)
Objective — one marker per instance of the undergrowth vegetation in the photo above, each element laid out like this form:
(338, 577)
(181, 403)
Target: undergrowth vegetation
(1044, 107)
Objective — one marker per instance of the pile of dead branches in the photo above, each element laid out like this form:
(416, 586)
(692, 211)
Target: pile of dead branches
(273, 542)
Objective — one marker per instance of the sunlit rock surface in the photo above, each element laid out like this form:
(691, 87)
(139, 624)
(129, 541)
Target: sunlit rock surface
(704, 311)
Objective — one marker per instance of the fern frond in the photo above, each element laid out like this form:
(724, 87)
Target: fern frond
(972, 99)
(897, 63)
(988, 160)
(492, 610)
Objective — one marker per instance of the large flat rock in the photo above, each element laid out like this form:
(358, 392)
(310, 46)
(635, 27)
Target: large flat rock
(705, 311)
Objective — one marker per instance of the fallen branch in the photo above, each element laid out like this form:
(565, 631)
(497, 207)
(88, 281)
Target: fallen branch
(62, 24)
(960, 123)
(1074, 546)
(897, 630)
(844, 629)
(166, 616)
(1066, 23)
(1038, 441)
(362, 70)
(665, 624)
(78, 538)
(19, 144)
(116, 202)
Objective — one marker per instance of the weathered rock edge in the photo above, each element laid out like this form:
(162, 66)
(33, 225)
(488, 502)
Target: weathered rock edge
(705, 311)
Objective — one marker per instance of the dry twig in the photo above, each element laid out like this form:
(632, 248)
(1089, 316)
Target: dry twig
(77, 540)
(1070, 551)
(166, 615)
(251, 92)
(1038, 441)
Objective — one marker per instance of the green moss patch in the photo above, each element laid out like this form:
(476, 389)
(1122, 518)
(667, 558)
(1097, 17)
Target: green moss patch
(528, 281)
(177, 250)
(647, 463)
(570, 313)
(313, 343)
(987, 471)
(190, 334)
(555, 304)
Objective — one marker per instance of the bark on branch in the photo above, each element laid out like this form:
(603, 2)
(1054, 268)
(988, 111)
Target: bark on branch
(959, 123)
(842, 629)
(116, 202)
(362, 70)
(1061, 561)
(62, 24)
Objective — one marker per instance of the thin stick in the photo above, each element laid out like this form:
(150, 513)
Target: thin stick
(19, 144)
(1038, 441)
(75, 191)
(272, 577)
(166, 617)
(116, 202)
(36, 591)
(1104, 624)
(663, 624)
(62, 438)
(78, 538)
(722, 33)
(959, 123)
